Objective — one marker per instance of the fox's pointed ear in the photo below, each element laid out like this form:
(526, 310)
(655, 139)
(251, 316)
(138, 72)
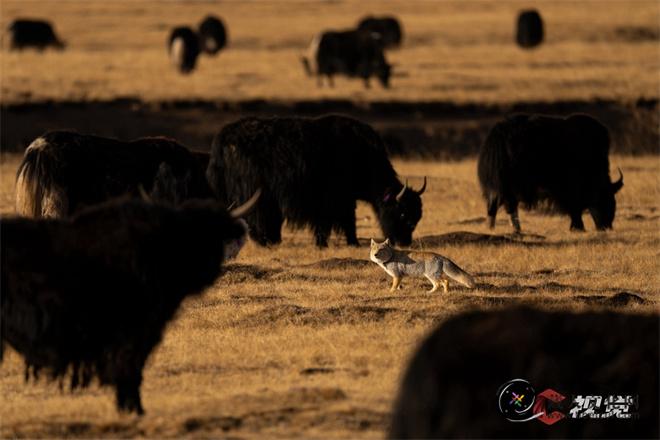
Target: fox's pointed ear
(373, 242)
(387, 241)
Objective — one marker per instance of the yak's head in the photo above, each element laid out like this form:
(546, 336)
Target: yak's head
(399, 214)
(176, 185)
(605, 206)
(170, 187)
(211, 218)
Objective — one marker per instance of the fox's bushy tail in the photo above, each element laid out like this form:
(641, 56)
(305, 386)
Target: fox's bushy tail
(457, 274)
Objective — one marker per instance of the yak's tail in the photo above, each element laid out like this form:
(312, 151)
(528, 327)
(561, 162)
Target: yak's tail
(310, 58)
(457, 274)
(37, 195)
(307, 66)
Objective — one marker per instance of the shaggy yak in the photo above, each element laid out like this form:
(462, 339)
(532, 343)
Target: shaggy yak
(90, 296)
(354, 53)
(453, 384)
(62, 172)
(311, 172)
(184, 47)
(564, 161)
(529, 29)
(37, 34)
(212, 35)
(387, 28)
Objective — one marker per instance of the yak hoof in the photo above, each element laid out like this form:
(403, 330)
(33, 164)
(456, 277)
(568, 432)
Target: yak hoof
(491, 222)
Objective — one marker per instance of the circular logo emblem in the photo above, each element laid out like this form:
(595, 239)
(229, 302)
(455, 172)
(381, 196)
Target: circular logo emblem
(516, 399)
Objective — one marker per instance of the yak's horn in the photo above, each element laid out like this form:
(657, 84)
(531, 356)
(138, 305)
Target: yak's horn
(403, 190)
(143, 194)
(423, 188)
(247, 206)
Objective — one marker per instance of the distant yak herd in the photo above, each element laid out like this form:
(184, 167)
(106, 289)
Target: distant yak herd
(185, 44)
(355, 53)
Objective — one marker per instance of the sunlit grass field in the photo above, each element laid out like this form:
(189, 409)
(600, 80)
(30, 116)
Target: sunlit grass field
(458, 51)
(296, 342)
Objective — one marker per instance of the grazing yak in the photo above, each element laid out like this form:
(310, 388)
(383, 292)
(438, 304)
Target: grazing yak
(356, 54)
(452, 385)
(212, 35)
(311, 172)
(564, 161)
(63, 171)
(37, 34)
(183, 46)
(387, 28)
(529, 29)
(90, 296)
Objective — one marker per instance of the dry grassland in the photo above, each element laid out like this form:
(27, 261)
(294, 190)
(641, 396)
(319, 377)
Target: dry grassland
(458, 51)
(298, 342)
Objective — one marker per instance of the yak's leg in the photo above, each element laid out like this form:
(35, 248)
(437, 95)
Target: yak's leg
(576, 221)
(348, 226)
(128, 393)
(331, 82)
(351, 235)
(366, 83)
(321, 234)
(266, 224)
(492, 205)
(511, 206)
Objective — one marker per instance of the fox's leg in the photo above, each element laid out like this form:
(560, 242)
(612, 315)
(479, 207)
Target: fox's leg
(395, 283)
(445, 283)
(434, 282)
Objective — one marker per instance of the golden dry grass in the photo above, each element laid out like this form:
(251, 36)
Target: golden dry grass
(459, 51)
(288, 344)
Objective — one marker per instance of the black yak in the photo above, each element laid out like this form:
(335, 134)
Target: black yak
(311, 172)
(533, 158)
(64, 171)
(37, 34)
(529, 29)
(212, 35)
(183, 48)
(453, 384)
(352, 53)
(387, 28)
(90, 296)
